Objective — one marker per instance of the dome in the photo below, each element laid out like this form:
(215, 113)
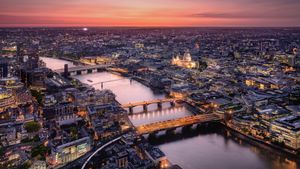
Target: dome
(187, 57)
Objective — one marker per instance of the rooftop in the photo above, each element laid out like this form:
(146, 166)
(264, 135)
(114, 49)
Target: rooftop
(291, 122)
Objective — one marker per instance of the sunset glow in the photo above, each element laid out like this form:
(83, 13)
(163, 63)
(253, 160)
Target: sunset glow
(150, 13)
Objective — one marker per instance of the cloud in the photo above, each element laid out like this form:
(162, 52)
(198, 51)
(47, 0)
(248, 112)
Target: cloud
(248, 15)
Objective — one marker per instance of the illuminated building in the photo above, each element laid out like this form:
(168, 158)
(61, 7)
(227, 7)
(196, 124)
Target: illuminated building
(49, 100)
(287, 130)
(70, 151)
(9, 134)
(291, 60)
(6, 99)
(264, 83)
(11, 83)
(139, 45)
(179, 90)
(287, 59)
(185, 62)
(63, 113)
(38, 165)
(122, 159)
(94, 60)
(158, 157)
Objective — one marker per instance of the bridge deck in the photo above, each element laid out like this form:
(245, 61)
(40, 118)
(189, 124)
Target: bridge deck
(80, 68)
(107, 81)
(148, 102)
(180, 122)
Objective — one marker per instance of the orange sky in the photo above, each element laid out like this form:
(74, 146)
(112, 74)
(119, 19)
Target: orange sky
(150, 13)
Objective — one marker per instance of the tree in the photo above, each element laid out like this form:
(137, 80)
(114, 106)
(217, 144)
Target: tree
(40, 151)
(38, 96)
(74, 132)
(1, 151)
(32, 126)
(25, 165)
(202, 65)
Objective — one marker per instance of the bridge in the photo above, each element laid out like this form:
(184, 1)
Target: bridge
(75, 62)
(175, 123)
(145, 104)
(79, 70)
(108, 81)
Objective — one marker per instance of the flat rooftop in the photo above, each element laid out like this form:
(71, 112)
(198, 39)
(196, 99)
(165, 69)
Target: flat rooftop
(292, 122)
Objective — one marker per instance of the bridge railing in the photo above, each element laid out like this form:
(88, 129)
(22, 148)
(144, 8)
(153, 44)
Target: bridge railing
(148, 102)
(174, 123)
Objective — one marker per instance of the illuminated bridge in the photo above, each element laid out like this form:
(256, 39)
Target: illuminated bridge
(79, 70)
(175, 123)
(159, 103)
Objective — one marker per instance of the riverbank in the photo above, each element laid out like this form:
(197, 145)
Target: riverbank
(194, 110)
(261, 143)
(196, 148)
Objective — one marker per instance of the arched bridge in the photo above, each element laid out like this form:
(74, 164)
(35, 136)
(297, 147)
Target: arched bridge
(175, 123)
(159, 103)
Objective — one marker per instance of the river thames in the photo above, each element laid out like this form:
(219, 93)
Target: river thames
(205, 148)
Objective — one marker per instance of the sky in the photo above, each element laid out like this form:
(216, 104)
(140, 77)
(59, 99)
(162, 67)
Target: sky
(164, 13)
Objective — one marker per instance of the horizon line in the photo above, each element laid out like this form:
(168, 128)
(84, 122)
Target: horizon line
(150, 26)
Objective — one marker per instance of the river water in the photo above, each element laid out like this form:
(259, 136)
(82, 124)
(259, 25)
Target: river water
(53, 63)
(205, 148)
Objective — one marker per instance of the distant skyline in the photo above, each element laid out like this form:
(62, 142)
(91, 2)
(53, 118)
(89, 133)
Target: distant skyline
(178, 13)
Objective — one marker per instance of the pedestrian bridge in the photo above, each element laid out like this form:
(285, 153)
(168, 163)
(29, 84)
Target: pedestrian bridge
(176, 123)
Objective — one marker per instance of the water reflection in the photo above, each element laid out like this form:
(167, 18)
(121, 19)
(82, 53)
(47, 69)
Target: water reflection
(126, 91)
(130, 92)
(214, 147)
(208, 147)
(139, 118)
(55, 64)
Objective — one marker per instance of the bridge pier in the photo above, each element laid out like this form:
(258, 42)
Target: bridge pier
(145, 107)
(159, 105)
(83, 72)
(170, 131)
(152, 135)
(130, 110)
(172, 103)
(72, 73)
(194, 126)
(186, 128)
(78, 72)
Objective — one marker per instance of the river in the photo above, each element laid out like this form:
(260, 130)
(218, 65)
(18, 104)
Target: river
(205, 148)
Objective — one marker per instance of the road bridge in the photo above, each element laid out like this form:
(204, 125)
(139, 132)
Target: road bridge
(79, 70)
(159, 103)
(175, 123)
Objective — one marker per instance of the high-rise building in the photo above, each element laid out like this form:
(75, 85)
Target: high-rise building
(66, 70)
(20, 52)
(3, 69)
(291, 59)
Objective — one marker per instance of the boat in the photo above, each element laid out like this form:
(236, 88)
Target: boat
(89, 80)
